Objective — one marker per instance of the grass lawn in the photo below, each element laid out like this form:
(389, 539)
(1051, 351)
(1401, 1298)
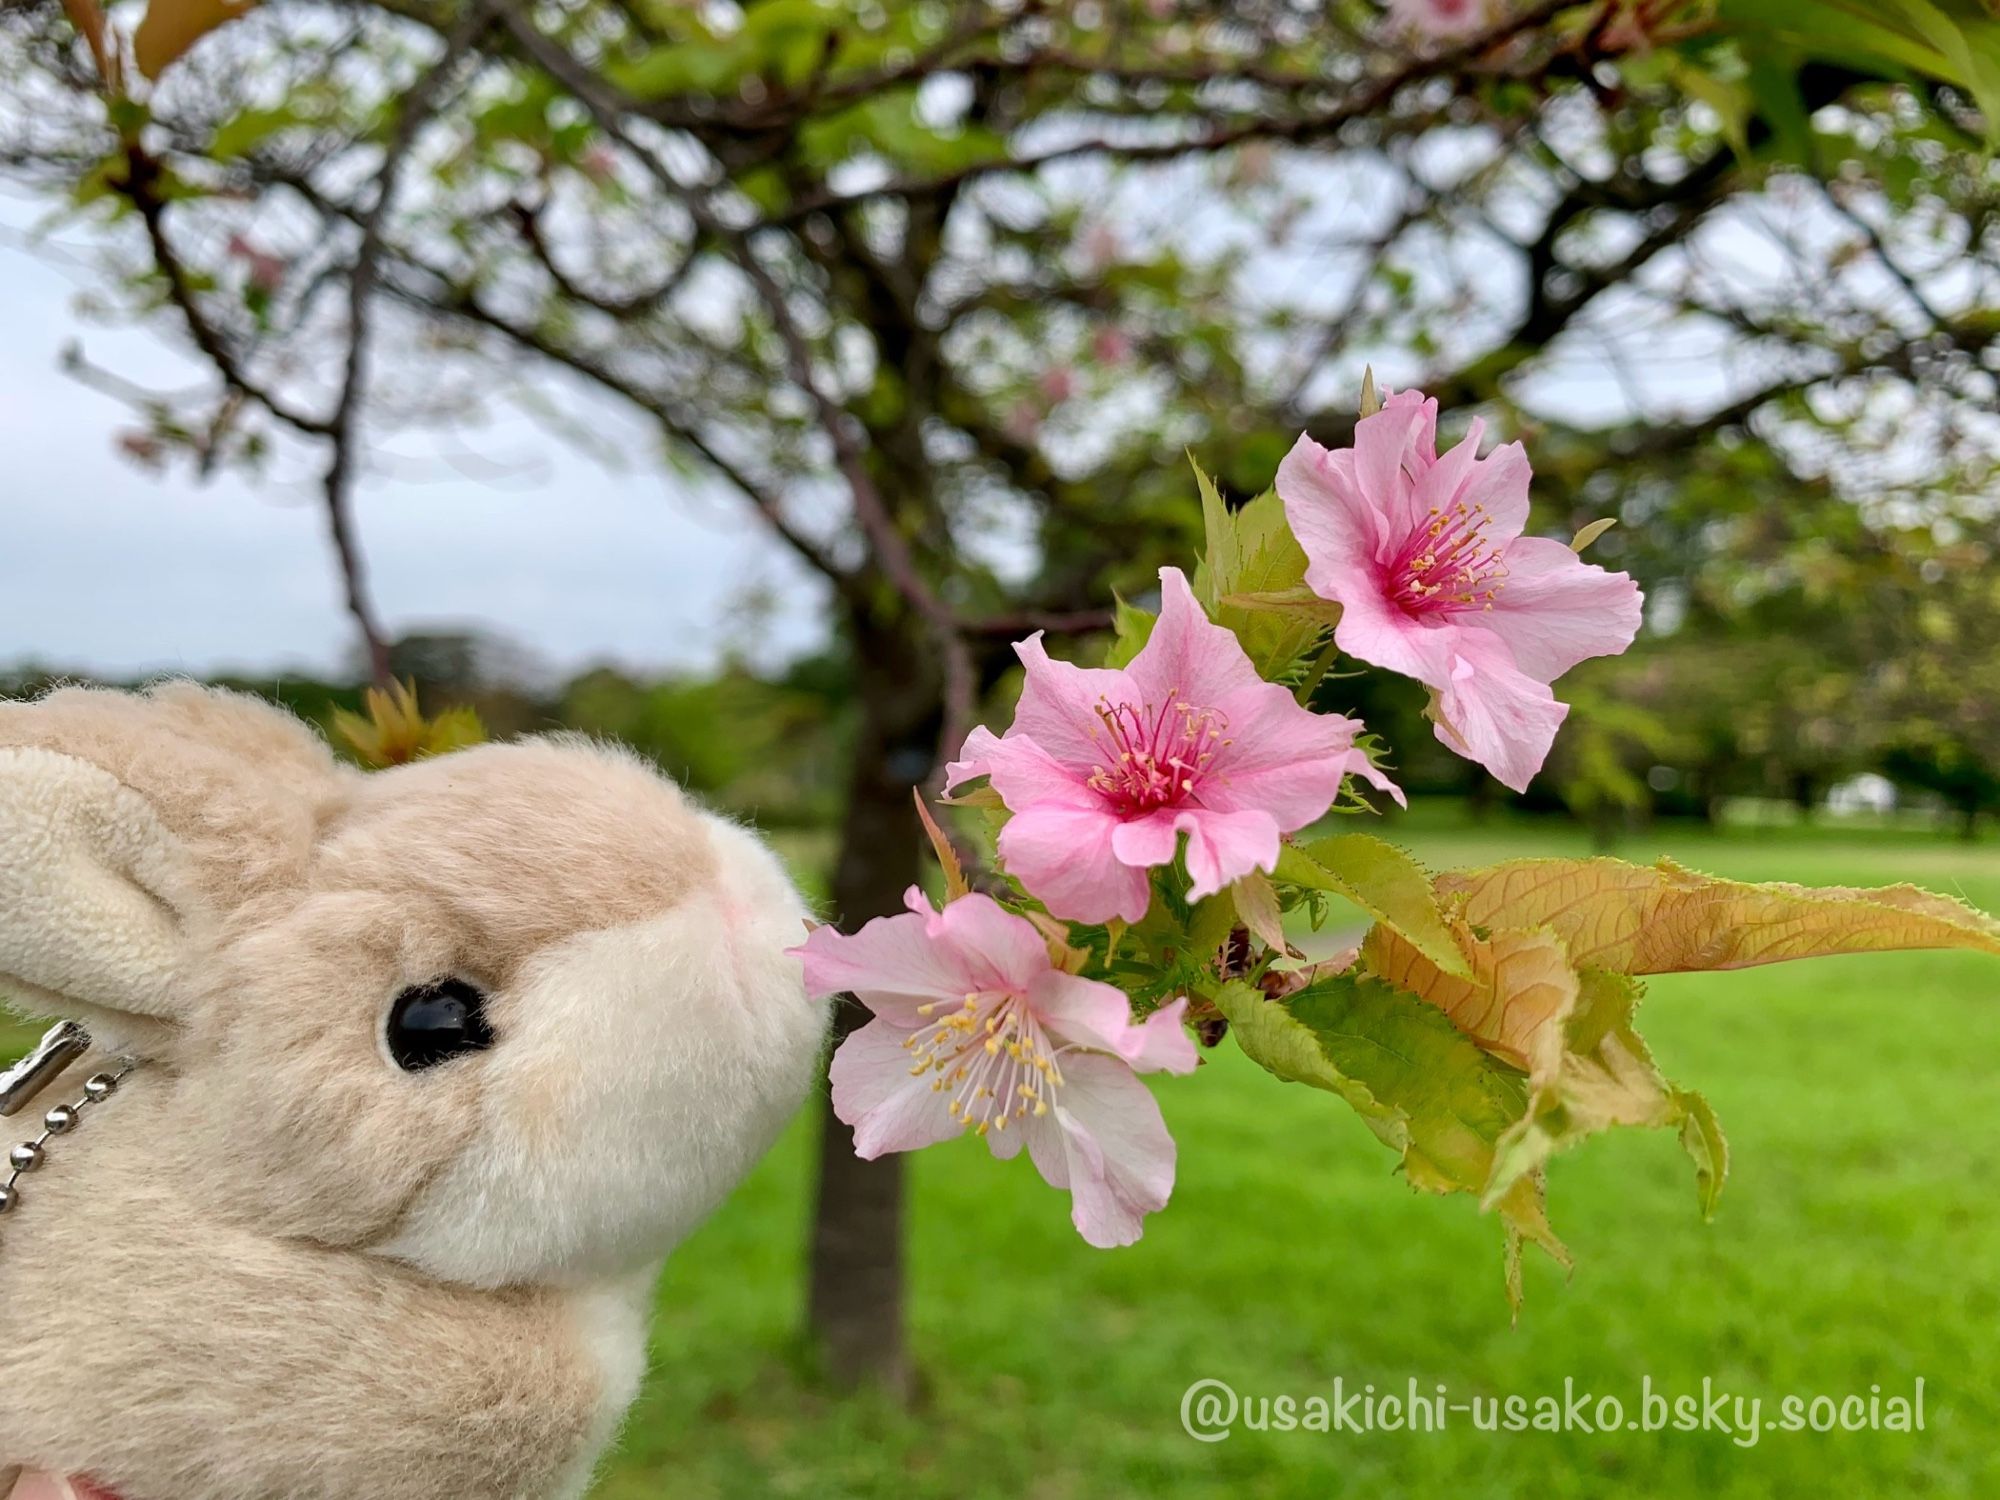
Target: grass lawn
(1857, 1245)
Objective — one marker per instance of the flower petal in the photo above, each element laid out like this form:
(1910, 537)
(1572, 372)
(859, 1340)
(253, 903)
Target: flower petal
(1023, 773)
(874, 1091)
(975, 757)
(1144, 842)
(1554, 609)
(1088, 1013)
(1188, 654)
(1277, 756)
(1357, 763)
(892, 965)
(1226, 846)
(1380, 633)
(1392, 449)
(1063, 855)
(1112, 1150)
(1498, 484)
(1324, 504)
(1494, 713)
(1059, 702)
(993, 948)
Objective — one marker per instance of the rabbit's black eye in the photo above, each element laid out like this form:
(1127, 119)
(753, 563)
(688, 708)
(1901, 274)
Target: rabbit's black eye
(433, 1023)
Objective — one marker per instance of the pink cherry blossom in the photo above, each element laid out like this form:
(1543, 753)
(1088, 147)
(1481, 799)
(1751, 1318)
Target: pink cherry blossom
(1425, 556)
(976, 1029)
(1444, 19)
(1105, 768)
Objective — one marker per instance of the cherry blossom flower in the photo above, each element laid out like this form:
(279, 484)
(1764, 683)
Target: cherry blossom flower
(1105, 768)
(1425, 556)
(977, 1029)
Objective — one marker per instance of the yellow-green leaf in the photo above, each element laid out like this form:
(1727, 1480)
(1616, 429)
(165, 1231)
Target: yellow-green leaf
(1420, 1086)
(1132, 627)
(394, 731)
(1635, 919)
(1257, 905)
(955, 883)
(1592, 532)
(1520, 990)
(1252, 553)
(1384, 882)
(1607, 1078)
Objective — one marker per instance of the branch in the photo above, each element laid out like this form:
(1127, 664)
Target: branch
(1362, 102)
(891, 551)
(343, 427)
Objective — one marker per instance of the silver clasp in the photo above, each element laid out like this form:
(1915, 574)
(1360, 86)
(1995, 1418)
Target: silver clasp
(20, 1084)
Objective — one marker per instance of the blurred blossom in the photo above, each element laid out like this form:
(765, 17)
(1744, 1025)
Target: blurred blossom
(1441, 18)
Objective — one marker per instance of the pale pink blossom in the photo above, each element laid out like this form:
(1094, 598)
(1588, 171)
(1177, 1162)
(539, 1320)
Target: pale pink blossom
(1111, 346)
(266, 271)
(1105, 768)
(1445, 19)
(1058, 384)
(1425, 556)
(977, 1029)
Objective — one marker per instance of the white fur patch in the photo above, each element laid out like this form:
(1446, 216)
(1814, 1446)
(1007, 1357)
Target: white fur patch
(611, 1321)
(88, 877)
(639, 1073)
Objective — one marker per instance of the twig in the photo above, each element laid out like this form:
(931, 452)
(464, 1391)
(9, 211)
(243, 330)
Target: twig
(342, 428)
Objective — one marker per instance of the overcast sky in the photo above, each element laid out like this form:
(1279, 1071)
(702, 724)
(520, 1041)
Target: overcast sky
(106, 568)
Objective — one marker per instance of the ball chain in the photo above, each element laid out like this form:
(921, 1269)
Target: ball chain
(61, 1120)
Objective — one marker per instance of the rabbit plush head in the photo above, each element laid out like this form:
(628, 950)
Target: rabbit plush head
(516, 1015)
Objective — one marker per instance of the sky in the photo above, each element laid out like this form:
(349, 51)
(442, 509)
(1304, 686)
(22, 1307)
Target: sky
(108, 569)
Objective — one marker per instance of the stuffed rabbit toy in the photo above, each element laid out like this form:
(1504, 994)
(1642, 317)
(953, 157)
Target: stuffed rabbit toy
(429, 1068)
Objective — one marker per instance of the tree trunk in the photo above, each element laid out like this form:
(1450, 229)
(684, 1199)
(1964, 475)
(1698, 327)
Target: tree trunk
(855, 1299)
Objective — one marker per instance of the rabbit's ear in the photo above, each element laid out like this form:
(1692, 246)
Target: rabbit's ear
(130, 825)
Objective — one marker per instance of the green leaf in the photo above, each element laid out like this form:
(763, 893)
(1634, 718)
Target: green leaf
(1421, 1087)
(1252, 552)
(1384, 882)
(1133, 627)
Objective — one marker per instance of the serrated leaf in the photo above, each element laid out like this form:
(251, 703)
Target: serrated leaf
(955, 883)
(1384, 882)
(1659, 919)
(1418, 1084)
(1300, 602)
(1514, 1001)
(1252, 552)
(170, 27)
(1607, 1077)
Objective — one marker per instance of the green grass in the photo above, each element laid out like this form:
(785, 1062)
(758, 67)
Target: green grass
(1857, 1244)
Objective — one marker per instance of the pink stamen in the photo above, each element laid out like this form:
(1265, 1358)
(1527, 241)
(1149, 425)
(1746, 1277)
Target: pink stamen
(1158, 756)
(1448, 564)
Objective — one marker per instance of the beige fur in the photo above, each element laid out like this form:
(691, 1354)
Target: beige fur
(274, 1264)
